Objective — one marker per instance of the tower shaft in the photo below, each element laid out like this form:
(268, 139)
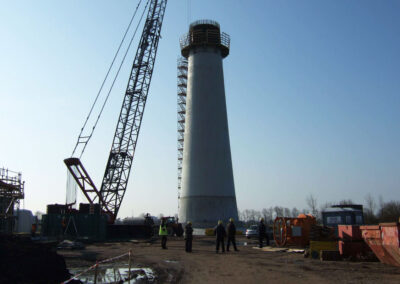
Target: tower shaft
(208, 190)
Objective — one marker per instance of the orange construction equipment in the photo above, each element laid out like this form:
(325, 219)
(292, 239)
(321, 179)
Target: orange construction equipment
(293, 231)
(384, 240)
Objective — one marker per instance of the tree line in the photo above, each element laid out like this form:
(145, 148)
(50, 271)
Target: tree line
(375, 212)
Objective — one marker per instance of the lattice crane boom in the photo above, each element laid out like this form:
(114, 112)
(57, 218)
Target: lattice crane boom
(123, 147)
(119, 163)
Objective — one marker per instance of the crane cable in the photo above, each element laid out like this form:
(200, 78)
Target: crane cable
(116, 76)
(80, 137)
(189, 11)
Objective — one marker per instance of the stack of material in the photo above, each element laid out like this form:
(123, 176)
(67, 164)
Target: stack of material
(322, 238)
(351, 244)
(322, 233)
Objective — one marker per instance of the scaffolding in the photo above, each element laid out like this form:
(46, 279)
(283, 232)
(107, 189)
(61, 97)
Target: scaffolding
(182, 87)
(11, 193)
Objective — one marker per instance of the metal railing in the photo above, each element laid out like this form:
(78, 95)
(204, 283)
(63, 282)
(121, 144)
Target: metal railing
(208, 37)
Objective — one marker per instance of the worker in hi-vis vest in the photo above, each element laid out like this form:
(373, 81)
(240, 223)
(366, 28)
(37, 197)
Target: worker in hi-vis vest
(163, 233)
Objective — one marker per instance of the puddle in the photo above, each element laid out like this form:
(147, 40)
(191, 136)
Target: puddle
(116, 274)
(199, 232)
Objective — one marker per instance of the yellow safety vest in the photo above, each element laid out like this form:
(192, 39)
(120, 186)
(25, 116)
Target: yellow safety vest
(163, 230)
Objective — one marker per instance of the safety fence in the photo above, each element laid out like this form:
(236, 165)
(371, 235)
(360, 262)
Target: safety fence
(96, 266)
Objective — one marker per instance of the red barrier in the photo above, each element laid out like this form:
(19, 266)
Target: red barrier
(358, 250)
(351, 243)
(382, 240)
(349, 233)
(391, 240)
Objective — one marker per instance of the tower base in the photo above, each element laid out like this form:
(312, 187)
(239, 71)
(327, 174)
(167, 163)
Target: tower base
(205, 211)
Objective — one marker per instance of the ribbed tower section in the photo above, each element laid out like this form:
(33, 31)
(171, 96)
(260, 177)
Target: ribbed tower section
(207, 188)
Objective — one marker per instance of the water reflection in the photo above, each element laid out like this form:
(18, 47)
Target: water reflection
(107, 274)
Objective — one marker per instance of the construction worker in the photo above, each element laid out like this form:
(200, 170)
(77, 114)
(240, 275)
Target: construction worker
(220, 232)
(163, 232)
(188, 236)
(231, 228)
(262, 233)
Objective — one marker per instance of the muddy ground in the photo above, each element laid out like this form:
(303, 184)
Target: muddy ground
(249, 265)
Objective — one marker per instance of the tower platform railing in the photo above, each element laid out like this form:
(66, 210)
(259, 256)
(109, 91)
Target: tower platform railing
(209, 37)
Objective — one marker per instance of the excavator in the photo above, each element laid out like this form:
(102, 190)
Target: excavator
(115, 180)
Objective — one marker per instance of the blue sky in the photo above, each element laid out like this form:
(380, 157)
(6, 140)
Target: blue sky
(312, 93)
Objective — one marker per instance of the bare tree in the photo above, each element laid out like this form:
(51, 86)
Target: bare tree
(390, 212)
(271, 213)
(257, 215)
(264, 214)
(312, 204)
(370, 204)
(286, 212)
(370, 216)
(381, 202)
(240, 215)
(278, 211)
(246, 215)
(267, 214)
(325, 205)
(346, 202)
(252, 215)
(295, 212)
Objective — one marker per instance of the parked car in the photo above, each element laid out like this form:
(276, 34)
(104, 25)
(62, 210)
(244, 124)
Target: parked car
(252, 232)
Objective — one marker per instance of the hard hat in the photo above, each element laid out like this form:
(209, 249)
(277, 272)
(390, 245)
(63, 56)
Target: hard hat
(230, 219)
(189, 223)
(219, 222)
(261, 219)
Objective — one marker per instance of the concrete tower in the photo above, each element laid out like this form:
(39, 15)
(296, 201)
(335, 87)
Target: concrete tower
(208, 190)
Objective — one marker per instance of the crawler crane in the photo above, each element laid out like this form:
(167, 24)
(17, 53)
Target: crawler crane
(116, 175)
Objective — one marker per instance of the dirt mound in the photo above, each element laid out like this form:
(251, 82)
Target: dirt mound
(23, 261)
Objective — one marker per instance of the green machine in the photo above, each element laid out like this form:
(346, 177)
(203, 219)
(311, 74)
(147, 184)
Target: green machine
(85, 224)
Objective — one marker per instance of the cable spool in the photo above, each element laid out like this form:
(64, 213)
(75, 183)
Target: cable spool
(293, 231)
(280, 231)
